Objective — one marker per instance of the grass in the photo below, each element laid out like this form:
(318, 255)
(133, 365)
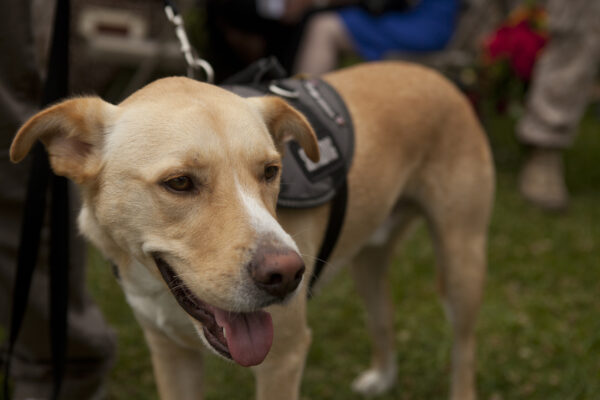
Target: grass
(539, 329)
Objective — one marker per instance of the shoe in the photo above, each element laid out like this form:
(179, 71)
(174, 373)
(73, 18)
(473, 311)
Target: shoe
(542, 181)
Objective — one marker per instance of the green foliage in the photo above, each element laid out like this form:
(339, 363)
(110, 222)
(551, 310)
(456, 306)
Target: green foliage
(539, 330)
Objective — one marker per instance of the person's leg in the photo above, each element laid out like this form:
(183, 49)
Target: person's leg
(324, 39)
(557, 99)
(91, 345)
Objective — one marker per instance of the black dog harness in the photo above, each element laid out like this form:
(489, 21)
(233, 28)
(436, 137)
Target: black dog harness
(306, 184)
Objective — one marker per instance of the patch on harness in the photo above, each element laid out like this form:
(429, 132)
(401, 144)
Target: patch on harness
(330, 159)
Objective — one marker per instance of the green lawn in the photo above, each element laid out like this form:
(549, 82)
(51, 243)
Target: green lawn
(539, 330)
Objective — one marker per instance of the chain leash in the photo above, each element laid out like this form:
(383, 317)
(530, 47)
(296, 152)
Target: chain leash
(194, 63)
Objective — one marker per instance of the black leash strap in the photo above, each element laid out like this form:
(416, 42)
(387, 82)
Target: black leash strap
(33, 217)
(56, 87)
(335, 223)
(59, 278)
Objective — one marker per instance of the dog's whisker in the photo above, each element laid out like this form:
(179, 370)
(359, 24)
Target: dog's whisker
(185, 274)
(311, 258)
(179, 286)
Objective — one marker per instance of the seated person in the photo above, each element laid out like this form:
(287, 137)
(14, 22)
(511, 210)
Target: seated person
(426, 25)
(243, 31)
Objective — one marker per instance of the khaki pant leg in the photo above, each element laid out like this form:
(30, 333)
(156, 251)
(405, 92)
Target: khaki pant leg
(563, 75)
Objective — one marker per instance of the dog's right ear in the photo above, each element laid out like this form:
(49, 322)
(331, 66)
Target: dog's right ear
(285, 123)
(72, 132)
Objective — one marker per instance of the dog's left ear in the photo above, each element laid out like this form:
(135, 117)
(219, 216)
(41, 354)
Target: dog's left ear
(285, 123)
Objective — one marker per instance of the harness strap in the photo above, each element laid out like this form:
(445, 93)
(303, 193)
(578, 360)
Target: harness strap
(267, 76)
(335, 223)
(33, 216)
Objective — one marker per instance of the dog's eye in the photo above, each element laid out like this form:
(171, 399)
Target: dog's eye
(271, 172)
(180, 184)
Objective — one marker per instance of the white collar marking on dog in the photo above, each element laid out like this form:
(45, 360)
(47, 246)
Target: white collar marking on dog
(154, 303)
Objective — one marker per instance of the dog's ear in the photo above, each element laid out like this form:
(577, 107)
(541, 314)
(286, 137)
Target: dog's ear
(285, 123)
(73, 133)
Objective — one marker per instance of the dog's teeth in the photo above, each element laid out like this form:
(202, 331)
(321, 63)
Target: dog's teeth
(224, 332)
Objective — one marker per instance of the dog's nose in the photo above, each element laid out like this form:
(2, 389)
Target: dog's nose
(275, 271)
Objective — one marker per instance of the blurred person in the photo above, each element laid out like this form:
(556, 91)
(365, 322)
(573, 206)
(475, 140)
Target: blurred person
(561, 86)
(243, 31)
(26, 27)
(371, 32)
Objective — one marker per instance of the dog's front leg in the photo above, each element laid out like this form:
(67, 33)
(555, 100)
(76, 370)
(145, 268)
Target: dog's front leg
(177, 369)
(279, 376)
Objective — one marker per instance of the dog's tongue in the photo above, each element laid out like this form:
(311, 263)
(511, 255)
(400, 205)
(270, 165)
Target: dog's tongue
(249, 335)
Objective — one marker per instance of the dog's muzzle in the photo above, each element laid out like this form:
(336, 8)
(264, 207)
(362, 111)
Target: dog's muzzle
(243, 337)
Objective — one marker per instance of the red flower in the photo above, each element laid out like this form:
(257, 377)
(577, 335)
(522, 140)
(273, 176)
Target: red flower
(519, 44)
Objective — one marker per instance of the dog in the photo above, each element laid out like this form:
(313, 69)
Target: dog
(179, 184)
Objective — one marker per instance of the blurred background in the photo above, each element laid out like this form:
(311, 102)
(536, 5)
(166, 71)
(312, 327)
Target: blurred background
(530, 69)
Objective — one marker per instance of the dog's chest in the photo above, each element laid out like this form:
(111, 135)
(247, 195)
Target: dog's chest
(154, 305)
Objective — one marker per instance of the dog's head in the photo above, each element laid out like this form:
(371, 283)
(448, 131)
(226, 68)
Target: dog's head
(183, 177)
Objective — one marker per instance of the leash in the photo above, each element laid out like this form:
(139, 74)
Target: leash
(194, 62)
(33, 216)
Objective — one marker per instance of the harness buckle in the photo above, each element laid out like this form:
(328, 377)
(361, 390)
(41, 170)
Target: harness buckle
(282, 91)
